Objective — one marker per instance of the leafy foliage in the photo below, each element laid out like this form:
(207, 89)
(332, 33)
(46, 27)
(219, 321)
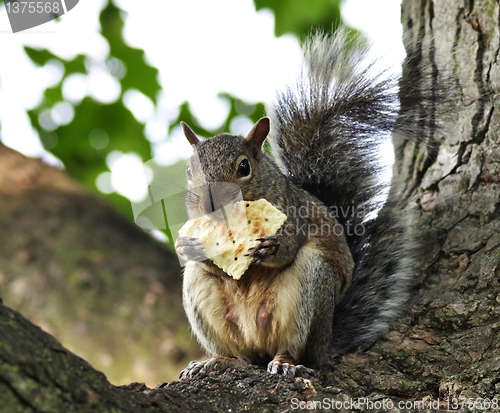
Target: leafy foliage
(121, 131)
(301, 16)
(139, 75)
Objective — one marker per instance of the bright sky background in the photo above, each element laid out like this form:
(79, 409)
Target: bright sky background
(188, 42)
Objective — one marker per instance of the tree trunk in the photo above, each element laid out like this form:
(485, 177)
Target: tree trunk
(446, 347)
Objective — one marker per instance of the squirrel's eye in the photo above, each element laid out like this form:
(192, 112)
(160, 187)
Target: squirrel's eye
(243, 168)
(188, 173)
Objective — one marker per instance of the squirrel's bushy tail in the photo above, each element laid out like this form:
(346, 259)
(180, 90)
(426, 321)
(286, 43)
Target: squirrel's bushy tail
(327, 134)
(328, 128)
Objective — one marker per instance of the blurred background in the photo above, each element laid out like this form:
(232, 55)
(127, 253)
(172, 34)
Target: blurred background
(93, 95)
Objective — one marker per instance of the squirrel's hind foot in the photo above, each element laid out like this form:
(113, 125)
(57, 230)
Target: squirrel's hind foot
(289, 370)
(216, 364)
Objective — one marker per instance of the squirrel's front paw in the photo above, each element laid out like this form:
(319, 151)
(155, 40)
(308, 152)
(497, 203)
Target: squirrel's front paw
(216, 364)
(189, 249)
(289, 370)
(266, 247)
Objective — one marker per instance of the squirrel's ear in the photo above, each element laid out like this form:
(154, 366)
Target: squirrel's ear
(257, 136)
(190, 135)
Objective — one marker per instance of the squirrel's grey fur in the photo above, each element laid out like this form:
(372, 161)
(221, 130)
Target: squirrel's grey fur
(306, 294)
(326, 134)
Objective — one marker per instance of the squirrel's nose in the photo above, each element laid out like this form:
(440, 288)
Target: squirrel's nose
(215, 195)
(210, 199)
(207, 206)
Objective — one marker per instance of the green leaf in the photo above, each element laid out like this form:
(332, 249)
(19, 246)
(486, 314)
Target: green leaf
(302, 16)
(139, 75)
(77, 65)
(40, 57)
(74, 148)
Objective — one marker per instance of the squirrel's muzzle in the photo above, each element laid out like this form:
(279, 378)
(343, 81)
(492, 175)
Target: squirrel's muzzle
(215, 195)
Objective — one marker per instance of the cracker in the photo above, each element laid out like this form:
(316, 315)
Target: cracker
(226, 235)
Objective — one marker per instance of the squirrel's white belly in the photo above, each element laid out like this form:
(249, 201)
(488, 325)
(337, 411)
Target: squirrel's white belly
(231, 320)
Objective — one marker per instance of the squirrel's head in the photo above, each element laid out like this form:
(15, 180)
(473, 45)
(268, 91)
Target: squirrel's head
(223, 167)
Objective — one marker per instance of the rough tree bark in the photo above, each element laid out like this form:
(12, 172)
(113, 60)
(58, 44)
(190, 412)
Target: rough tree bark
(447, 344)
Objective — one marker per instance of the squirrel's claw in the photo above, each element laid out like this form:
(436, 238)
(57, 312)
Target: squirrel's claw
(266, 247)
(189, 249)
(216, 364)
(192, 369)
(289, 370)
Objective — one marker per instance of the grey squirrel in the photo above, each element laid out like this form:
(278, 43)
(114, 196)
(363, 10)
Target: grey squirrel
(307, 293)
